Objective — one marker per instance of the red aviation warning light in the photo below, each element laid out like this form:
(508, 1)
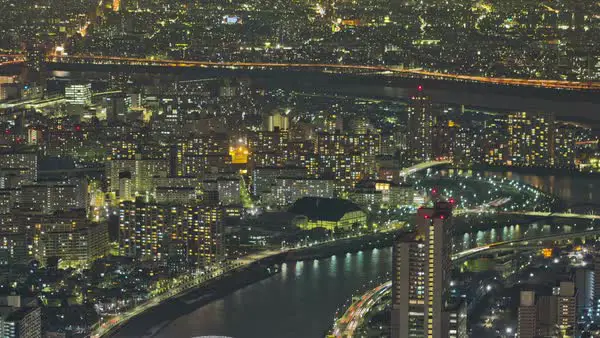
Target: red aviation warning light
(420, 88)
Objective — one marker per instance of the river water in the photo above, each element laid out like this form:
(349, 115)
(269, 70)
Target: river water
(301, 301)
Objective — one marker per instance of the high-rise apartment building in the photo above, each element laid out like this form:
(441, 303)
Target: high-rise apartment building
(148, 231)
(567, 309)
(420, 126)
(584, 283)
(74, 246)
(527, 316)
(564, 146)
(530, 139)
(421, 267)
(20, 322)
(22, 166)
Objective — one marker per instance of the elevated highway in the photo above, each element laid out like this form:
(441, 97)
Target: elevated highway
(348, 68)
(541, 214)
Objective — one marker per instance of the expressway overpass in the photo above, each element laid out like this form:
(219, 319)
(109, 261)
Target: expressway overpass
(551, 214)
(6, 60)
(421, 166)
(346, 68)
(522, 243)
(541, 214)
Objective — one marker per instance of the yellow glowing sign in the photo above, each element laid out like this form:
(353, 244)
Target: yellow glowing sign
(239, 155)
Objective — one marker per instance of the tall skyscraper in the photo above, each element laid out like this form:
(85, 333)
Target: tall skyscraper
(421, 267)
(420, 126)
(584, 282)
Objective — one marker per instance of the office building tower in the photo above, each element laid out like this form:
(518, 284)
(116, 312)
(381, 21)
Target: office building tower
(527, 316)
(420, 126)
(420, 281)
(530, 139)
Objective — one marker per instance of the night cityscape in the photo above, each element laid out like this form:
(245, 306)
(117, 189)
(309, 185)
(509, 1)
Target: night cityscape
(300, 169)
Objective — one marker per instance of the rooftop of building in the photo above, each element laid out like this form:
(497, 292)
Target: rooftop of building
(326, 209)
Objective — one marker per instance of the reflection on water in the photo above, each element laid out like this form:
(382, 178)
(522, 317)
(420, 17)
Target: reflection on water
(298, 302)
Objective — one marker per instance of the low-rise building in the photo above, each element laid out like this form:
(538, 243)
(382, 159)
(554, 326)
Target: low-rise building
(329, 213)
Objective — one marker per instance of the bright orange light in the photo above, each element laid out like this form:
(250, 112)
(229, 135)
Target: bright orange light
(547, 252)
(116, 5)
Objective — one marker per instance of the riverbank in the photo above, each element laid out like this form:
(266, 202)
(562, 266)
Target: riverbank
(190, 300)
(229, 282)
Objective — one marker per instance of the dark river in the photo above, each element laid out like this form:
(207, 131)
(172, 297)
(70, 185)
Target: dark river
(302, 300)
